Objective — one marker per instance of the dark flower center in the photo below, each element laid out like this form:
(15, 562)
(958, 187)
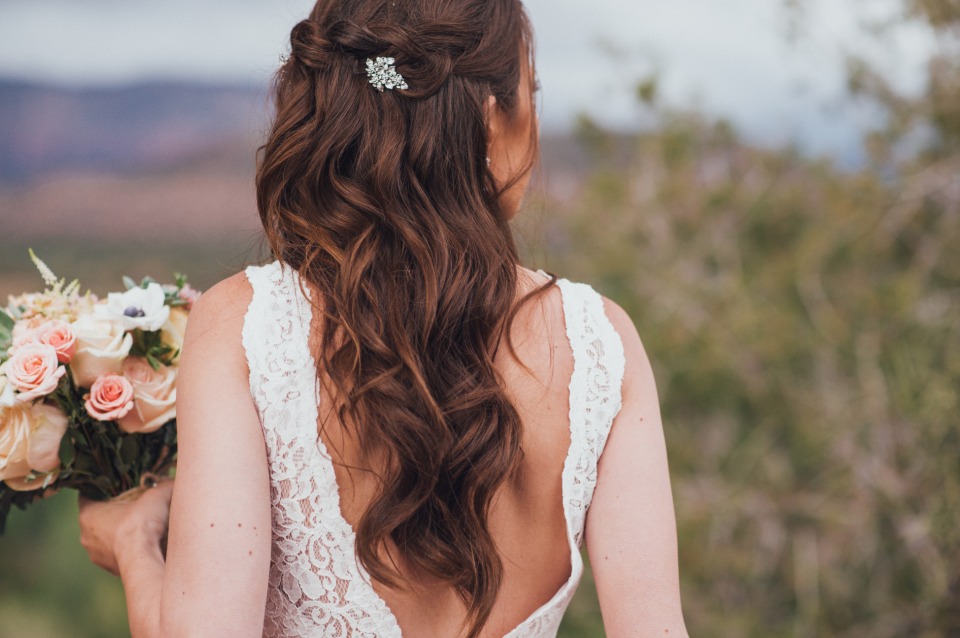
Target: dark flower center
(134, 312)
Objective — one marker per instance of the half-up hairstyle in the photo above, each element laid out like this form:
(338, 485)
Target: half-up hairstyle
(385, 204)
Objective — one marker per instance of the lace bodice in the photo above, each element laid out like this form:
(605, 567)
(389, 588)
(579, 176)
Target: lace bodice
(318, 589)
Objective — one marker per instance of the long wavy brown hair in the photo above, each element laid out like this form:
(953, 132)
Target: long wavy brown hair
(386, 205)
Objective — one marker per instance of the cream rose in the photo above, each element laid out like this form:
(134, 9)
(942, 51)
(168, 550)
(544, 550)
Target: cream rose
(30, 438)
(60, 336)
(173, 330)
(34, 371)
(154, 396)
(102, 345)
(110, 398)
(143, 308)
(7, 397)
(24, 335)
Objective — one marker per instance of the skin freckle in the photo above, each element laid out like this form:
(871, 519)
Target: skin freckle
(250, 553)
(239, 525)
(211, 524)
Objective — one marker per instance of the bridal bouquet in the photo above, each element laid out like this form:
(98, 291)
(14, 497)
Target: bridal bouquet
(88, 388)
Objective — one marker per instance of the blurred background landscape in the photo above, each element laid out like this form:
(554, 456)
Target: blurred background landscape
(771, 190)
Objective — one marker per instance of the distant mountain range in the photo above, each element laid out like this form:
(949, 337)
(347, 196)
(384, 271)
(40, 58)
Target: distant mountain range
(157, 162)
(128, 129)
(146, 128)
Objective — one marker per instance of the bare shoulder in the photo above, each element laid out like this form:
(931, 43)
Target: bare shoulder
(224, 304)
(213, 339)
(542, 315)
(528, 281)
(638, 381)
(623, 324)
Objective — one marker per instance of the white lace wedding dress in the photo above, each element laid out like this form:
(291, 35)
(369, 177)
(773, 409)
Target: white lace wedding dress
(317, 587)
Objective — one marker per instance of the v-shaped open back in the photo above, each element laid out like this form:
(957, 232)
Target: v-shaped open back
(318, 588)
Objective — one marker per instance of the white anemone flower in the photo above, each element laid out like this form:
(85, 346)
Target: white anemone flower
(142, 308)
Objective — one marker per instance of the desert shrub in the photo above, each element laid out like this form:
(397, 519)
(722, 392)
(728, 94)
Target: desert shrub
(804, 324)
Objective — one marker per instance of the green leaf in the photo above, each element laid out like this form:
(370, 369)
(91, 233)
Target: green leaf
(129, 450)
(81, 439)
(6, 339)
(103, 484)
(67, 451)
(5, 502)
(85, 464)
(6, 321)
(147, 281)
(129, 283)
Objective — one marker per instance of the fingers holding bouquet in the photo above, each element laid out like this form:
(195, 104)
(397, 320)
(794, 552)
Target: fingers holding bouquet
(136, 520)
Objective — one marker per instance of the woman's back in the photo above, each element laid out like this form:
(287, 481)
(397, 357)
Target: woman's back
(404, 137)
(567, 393)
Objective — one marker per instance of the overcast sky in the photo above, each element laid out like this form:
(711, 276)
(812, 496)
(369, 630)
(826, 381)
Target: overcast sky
(731, 57)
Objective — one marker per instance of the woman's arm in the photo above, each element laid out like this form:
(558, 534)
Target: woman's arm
(128, 533)
(218, 556)
(214, 580)
(631, 529)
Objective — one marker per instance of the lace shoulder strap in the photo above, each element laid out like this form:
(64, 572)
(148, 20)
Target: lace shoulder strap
(272, 331)
(595, 394)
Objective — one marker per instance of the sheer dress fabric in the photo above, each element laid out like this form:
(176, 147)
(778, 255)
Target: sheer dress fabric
(317, 587)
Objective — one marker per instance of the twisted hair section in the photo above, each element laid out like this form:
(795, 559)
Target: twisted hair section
(385, 205)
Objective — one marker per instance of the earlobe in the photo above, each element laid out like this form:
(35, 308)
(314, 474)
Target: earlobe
(490, 115)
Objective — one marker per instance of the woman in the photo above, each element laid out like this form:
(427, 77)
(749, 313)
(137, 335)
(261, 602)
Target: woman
(395, 425)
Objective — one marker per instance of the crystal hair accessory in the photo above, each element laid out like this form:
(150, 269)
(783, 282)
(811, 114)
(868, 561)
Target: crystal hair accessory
(383, 74)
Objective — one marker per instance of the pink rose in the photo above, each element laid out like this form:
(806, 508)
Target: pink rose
(30, 444)
(60, 336)
(34, 371)
(155, 396)
(110, 398)
(189, 295)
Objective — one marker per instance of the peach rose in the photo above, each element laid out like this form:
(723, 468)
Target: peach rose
(60, 336)
(34, 371)
(30, 438)
(154, 394)
(171, 334)
(110, 398)
(102, 345)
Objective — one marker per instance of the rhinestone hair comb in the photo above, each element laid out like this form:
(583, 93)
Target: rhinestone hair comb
(383, 74)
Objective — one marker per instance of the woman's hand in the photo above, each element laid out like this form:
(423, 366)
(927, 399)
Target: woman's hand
(110, 529)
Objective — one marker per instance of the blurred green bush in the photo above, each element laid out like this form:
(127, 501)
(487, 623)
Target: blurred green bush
(803, 324)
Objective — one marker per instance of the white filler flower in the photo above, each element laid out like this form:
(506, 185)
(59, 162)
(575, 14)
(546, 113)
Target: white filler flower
(142, 308)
